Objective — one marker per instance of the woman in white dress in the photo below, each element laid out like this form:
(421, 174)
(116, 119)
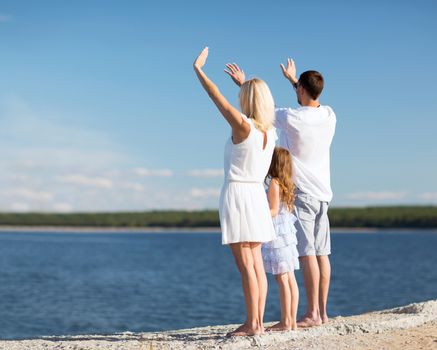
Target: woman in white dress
(244, 211)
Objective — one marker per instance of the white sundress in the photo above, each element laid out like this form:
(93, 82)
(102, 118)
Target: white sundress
(281, 255)
(244, 209)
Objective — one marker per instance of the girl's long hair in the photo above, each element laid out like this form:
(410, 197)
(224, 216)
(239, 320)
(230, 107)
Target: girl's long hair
(256, 102)
(281, 169)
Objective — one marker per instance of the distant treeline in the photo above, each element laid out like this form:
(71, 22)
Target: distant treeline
(375, 217)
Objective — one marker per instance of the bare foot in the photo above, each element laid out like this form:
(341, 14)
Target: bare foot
(306, 322)
(244, 331)
(324, 318)
(278, 327)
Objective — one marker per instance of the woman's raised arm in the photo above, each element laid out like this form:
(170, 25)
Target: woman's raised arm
(240, 128)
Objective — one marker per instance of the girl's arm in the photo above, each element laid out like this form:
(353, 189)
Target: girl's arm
(240, 128)
(273, 197)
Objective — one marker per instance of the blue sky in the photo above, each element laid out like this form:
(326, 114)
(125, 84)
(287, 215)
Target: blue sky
(100, 109)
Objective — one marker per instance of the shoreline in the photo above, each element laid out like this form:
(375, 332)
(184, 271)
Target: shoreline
(103, 229)
(182, 230)
(409, 327)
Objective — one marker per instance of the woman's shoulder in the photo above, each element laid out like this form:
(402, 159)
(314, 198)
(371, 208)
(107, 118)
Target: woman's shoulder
(245, 117)
(248, 120)
(272, 136)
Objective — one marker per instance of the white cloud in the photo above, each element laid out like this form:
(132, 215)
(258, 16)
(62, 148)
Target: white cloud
(142, 172)
(62, 207)
(112, 173)
(429, 196)
(29, 194)
(49, 164)
(205, 192)
(377, 195)
(22, 199)
(83, 180)
(133, 186)
(19, 207)
(18, 177)
(206, 172)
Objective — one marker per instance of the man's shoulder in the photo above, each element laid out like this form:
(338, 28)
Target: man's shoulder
(288, 112)
(329, 108)
(331, 113)
(321, 114)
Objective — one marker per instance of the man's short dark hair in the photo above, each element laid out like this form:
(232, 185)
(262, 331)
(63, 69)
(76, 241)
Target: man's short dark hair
(312, 82)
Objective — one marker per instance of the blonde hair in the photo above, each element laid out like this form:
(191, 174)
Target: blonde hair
(257, 103)
(281, 170)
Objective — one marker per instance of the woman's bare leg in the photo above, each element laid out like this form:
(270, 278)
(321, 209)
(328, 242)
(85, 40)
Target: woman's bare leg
(243, 256)
(262, 281)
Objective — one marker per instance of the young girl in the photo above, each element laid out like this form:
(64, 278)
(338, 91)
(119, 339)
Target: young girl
(280, 255)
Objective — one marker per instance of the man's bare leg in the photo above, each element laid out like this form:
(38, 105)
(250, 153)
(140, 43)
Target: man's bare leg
(311, 277)
(243, 256)
(325, 276)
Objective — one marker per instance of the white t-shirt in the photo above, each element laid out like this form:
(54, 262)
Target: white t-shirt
(307, 133)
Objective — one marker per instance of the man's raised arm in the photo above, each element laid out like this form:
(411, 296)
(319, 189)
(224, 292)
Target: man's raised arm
(238, 76)
(235, 73)
(290, 72)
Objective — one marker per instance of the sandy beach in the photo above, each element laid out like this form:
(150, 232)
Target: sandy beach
(409, 327)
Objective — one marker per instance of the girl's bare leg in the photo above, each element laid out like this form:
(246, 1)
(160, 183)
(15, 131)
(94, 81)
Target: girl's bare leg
(243, 256)
(285, 323)
(294, 299)
(262, 281)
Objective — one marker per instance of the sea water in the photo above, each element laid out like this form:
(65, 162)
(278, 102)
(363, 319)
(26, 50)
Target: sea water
(61, 283)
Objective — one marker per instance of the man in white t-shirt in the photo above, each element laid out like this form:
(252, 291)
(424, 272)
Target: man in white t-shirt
(307, 132)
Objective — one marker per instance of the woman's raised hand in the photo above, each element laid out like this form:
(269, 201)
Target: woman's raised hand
(201, 59)
(235, 73)
(240, 128)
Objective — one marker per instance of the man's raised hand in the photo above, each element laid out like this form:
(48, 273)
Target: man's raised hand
(290, 71)
(235, 73)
